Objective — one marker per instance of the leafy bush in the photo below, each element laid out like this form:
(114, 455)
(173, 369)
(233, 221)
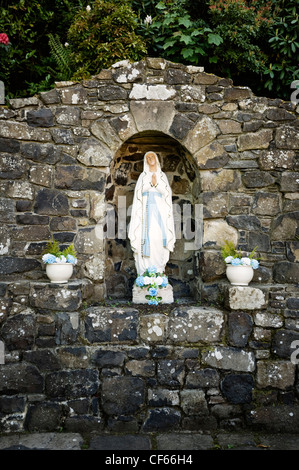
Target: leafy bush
(174, 35)
(27, 67)
(283, 65)
(253, 42)
(102, 35)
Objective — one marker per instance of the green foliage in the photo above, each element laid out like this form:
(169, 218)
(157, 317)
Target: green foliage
(174, 35)
(61, 57)
(103, 35)
(254, 42)
(53, 248)
(27, 67)
(228, 249)
(283, 65)
(242, 28)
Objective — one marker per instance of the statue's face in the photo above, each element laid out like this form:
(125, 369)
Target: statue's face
(151, 159)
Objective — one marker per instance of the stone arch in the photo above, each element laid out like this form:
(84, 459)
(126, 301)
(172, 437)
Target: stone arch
(182, 173)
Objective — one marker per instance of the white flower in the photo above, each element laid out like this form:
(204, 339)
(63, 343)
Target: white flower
(147, 280)
(66, 44)
(61, 259)
(159, 280)
(228, 259)
(245, 261)
(88, 8)
(148, 19)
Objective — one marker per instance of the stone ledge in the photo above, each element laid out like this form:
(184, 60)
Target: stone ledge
(47, 295)
(246, 298)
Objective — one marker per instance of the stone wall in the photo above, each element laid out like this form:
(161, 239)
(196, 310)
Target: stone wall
(77, 367)
(69, 157)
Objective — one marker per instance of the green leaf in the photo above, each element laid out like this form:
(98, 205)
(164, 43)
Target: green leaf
(187, 53)
(169, 43)
(214, 39)
(185, 21)
(186, 39)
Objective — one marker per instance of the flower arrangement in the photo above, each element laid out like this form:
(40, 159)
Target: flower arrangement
(152, 281)
(53, 254)
(235, 258)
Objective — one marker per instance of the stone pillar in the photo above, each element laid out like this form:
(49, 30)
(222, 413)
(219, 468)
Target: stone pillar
(2, 93)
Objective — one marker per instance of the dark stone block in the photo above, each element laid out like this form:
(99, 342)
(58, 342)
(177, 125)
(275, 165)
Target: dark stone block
(18, 332)
(171, 372)
(104, 358)
(162, 419)
(9, 265)
(282, 342)
(244, 222)
(293, 303)
(51, 202)
(9, 145)
(46, 153)
(65, 332)
(237, 388)
(83, 424)
(176, 76)
(23, 205)
(72, 384)
(122, 395)
(40, 118)
(112, 92)
(113, 325)
(239, 328)
(205, 378)
(286, 272)
(60, 297)
(43, 417)
(180, 126)
(32, 219)
(63, 136)
(257, 179)
(13, 404)
(77, 178)
(20, 378)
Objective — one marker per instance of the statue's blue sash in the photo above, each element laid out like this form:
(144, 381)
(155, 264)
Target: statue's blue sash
(152, 210)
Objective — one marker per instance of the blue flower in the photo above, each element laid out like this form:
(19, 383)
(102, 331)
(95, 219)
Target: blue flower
(140, 281)
(153, 291)
(236, 262)
(254, 263)
(49, 259)
(152, 270)
(153, 302)
(165, 281)
(71, 259)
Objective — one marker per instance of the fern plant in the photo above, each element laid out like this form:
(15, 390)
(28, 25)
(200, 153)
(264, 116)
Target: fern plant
(61, 57)
(228, 249)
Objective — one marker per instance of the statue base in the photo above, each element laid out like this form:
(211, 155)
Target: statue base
(139, 295)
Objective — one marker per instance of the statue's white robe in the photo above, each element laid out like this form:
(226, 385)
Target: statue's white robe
(151, 231)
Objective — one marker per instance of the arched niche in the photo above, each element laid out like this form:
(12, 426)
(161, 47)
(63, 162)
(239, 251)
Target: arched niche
(183, 176)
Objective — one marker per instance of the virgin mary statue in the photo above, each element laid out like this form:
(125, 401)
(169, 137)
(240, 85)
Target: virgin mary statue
(151, 231)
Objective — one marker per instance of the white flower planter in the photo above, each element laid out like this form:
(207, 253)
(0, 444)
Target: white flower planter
(239, 275)
(59, 273)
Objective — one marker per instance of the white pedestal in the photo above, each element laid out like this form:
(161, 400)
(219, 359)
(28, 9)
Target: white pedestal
(165, 292)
